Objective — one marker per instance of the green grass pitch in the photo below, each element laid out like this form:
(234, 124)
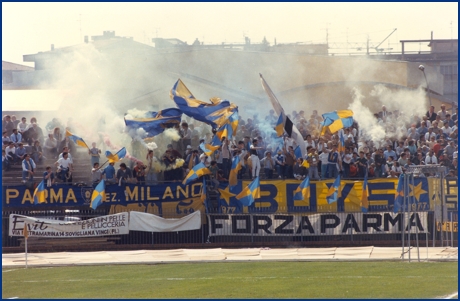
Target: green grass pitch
(236, 280)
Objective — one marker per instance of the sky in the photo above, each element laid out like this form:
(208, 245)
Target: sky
(28, 28)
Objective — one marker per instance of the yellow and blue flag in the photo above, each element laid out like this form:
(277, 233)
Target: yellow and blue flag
(117, 156)
(250, 193)
(279, 127)
(333, 192)
(208, 149)
(399, 197)
(236, 166)
(341, 147)
(225, 131)
(215, 113)
(365, 196)
(336, 120)
(98, 196)
(197, 171)
(77, 140)
(154, 123)
(303, 191)
(234, 119)
(39, 193)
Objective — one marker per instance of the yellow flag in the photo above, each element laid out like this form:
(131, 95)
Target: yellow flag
(25, 231)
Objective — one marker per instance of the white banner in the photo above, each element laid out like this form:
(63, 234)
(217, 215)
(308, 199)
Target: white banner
(114, 224)
(139, 221)
(316, 224)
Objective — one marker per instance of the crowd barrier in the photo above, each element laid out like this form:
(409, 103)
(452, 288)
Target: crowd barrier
(275, 218)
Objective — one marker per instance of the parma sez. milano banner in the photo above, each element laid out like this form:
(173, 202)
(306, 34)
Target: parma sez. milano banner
(176, 200)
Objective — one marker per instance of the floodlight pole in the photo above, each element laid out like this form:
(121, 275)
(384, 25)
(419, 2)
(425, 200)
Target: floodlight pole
(422, 68)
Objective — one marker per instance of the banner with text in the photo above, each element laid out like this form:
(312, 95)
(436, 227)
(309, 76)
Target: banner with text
(115, 224)
(316, 224)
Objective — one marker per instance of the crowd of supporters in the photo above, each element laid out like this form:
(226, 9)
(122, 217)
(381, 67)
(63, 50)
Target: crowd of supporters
(425, 140)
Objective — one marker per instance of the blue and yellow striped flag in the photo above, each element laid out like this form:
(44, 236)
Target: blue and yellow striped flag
(197, 171)
(215, 113)
(279, 127)
(98, 196)
(39, 193)
(236, 166)
(303, 191)
(336, 120)
(250, 193)
(77, 140)
(333, 192)
(117, 156)
(225, 131)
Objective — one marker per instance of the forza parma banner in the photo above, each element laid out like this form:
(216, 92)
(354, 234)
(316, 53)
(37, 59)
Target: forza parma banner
(316, 224)
(114, 224)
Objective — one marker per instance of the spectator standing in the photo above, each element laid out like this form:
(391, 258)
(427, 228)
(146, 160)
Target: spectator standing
(48, 177)
(280, 164)
(269, 164)
(37, 153)
(96, 174)
(95, 153)
(109, 173)
(123, 174)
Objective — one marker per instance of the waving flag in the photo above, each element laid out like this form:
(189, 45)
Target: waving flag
(98, 196)
(225, 131)
(333, 192)
(197, 171)
(116, 157)
(250, 193)
(279, 127)
(77, 140)
(289, 127)
(336, 120)
(399, 197)
(154, 123)
(39, 193)
(364, 196)
(236, 166)
(215, 113)
(303, 191)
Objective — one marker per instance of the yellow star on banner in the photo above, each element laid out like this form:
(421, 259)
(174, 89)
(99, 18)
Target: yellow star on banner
(417, 191)
(225, 194)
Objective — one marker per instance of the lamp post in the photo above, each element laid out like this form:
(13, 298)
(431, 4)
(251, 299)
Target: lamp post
(422, 68)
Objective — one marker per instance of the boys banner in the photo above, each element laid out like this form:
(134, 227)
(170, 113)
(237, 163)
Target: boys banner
(316, 224)
(277, 196)
(114, 224)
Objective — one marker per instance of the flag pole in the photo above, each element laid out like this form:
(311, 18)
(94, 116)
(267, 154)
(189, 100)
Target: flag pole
(25, 233)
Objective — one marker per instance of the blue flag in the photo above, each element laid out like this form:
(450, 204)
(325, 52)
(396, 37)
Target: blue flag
(155, 123)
